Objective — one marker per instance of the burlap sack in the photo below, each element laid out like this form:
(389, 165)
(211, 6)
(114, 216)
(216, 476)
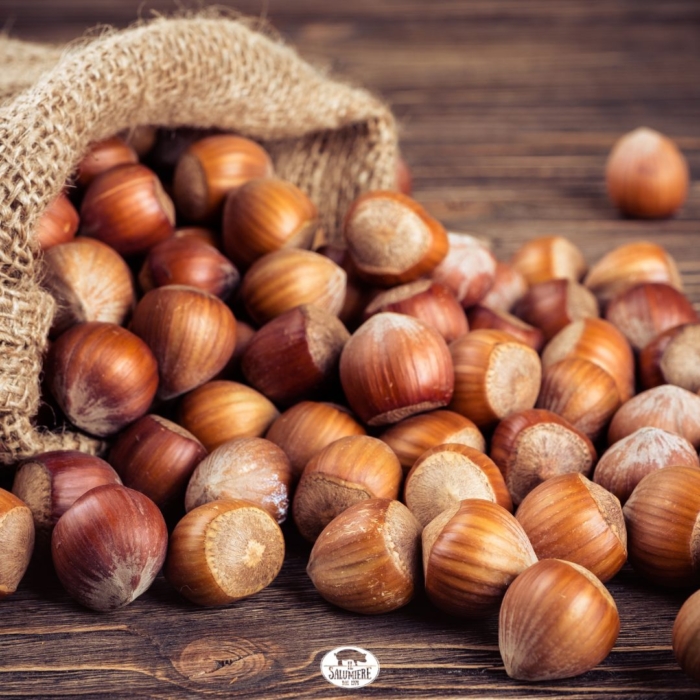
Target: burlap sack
(332, 140)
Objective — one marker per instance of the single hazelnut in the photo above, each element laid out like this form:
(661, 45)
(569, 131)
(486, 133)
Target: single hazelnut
(412, 436)
(222, 410)
(102, 376)
(127, 209)
(624, 464)
(468, 270)
(191, 333)
(212, 167)
(394, 366)
(249, 469)
(279, 281)
(303, 430)
(367, 560)
(535, 445)
(295, 356)
(156, 457)
(109, 546)
(569, 517)
(557, 620)
(686, 636)
(548, 258)
(447, 474)
(481, 317)
(673, 357)
(58, 224)
(428, 301)
(471, 554)
(223, 551)
(349, 470)
(509, 286)
(17, 537)
(647, 176)
(103, 156)
(495, 375)
(90, 281)
(392, 239)
(264, 215)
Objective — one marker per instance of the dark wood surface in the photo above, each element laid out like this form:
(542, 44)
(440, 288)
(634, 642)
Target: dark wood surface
(508, 110)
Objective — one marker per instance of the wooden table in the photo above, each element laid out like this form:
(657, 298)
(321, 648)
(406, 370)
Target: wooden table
(508, 110)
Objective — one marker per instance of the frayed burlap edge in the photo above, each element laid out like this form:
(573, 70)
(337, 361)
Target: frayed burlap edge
(332, 140)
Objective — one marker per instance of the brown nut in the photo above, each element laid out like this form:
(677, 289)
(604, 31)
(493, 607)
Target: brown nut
(447, 474)
(109, 546)
(471, 554)
(548, 258)
(647, 176)
(565, 613)
(569, 517)
(483, 317)
(156, 457)
(212, 167)
(348, 470)
(303, 430)
(295, 356)
(509, 286)
(392, 239)
(644, 311)
(673, 357)
(58, 224)
(468, 270)
(279, 281)
(264, 215)
(17, 537)
(191, 333)
(580, 392)
(495, 375)
(667, 407)
(249, 469)
(102, 376)
(127, 209)
(223, 551)
(103, 156)
(219, 411)
(535, 445)
(412, 436)
(662, 518)
(686, 636)
(90, 281)
(624, 464)
(394, 366)
(51, 482)
(367, 560)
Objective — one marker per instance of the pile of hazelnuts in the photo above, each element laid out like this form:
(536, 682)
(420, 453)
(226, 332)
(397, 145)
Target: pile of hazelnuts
(404, 392)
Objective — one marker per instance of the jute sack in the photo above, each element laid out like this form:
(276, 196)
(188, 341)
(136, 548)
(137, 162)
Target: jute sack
(332, 140)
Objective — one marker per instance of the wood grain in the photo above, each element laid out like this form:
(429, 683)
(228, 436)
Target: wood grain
(508, 111)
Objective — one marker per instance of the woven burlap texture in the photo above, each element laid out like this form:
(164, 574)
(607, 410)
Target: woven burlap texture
(332, 140)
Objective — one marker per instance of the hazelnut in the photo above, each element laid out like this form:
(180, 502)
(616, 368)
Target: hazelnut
(569, 517)
(279, 281)
(624, 464)
(90, 281)
(223, 551)
(548, 258)
(191, 333)
(264, 215)
(495, 375)
(447, 474)
(221, 410)
(509, 286)
(127, 209)
(646, 174)
(58, 223)
(471, 554)
(141, 138)
(109, 546)
(17, 537)
(306, 428)
(686, 636)
(102, 376)
(673, 357)
(212, 167)
(392, 239)
(412, 436)
(482, 317)
(534, 445)
(349, 470)
(249, 469)
(103, 156)
(557, 620)
(156, 457)
(394, 366)
(367, 560)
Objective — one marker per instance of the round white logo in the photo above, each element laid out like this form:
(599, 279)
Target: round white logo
(350, 667)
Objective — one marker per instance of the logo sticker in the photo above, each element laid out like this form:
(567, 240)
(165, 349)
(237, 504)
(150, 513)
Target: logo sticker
(349, 667)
